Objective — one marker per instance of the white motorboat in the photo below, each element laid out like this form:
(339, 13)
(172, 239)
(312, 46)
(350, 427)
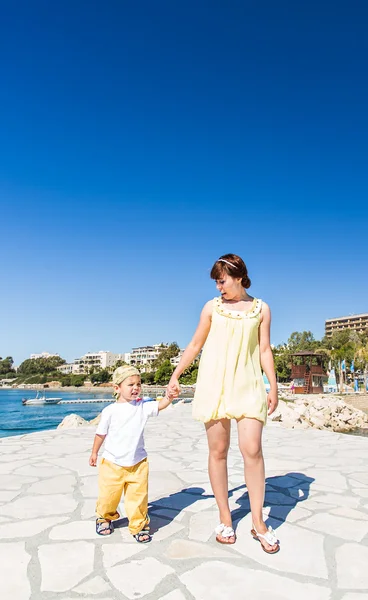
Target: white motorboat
(40, 400)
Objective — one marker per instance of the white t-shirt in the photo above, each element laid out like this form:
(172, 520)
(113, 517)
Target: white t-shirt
(123, 424)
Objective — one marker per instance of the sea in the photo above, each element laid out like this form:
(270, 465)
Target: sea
(17, 419)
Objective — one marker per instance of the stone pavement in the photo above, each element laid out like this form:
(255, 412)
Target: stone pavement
(317, 500)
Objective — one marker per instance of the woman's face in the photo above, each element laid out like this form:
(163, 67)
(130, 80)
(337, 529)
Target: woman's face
(228, 286)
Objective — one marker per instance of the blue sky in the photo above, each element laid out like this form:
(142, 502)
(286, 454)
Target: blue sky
(142, 140)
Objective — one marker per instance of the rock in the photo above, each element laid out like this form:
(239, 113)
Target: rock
(320, 412)
(95, 421)
(72, 422)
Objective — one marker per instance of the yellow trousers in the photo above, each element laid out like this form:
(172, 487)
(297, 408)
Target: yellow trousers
(113, 480)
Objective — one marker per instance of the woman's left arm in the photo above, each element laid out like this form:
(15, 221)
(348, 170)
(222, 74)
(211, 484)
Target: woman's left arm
(267, 357)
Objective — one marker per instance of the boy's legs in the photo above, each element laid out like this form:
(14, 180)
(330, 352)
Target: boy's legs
(111, 478)
(136, 496)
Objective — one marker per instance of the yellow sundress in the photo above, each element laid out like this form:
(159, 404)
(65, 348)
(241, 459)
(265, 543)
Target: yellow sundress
(230, 382)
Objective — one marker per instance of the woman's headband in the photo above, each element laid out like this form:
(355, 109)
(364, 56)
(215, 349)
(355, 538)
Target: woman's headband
(225, 261)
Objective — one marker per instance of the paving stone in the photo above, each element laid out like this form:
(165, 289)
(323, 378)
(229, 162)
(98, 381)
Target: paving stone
(352, 596)
(362, 492)
(161, 463)
(89, 598)
(40, 471)
(347, 529)
(128, 578)
(76, 530)
(350, 513)
(172, 515)
(13, 571)
(26, 529)
(88, 508)
(166, 530)
(56, 485)
(328, 478)
(311, 560)
(277, 498)
(114, 554)
(242, 582)
(8, 496)
(166, 483)
(360, 477)
(348, 501)
(63, 566)
(202, 526)
(15, 482)
(352, 572)
(39, 506)
(174, 595)
(9, 467)
(191, 476)
(89, 486)
(184, 549)
(79, 465)
(308, 480)
(97, 585)
(286, 514)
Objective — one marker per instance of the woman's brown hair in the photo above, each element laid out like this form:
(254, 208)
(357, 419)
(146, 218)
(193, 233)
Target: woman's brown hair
(232, 265)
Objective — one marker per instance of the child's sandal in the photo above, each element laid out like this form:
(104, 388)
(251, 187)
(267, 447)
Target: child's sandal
(143, 537)
(104, 527)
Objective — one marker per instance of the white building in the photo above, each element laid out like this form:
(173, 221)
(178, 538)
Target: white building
(144, 356)
(44, 355)
(96, 361)
(68, 368)
(176, 359)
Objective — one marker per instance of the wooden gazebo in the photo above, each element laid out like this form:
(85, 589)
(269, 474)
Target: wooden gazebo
(307, 372)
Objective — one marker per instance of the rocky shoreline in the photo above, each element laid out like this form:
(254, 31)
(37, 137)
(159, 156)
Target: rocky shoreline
(329, 413)
(323, 412)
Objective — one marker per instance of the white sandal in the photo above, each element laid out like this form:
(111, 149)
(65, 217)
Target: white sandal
(225, 532)
(270, 537)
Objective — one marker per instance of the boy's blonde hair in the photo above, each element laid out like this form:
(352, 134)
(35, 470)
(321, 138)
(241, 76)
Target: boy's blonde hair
(122, 373)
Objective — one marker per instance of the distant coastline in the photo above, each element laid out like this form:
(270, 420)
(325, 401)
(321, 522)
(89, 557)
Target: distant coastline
(95, 390)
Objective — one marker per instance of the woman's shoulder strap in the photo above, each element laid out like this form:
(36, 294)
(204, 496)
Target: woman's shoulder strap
(256, 310)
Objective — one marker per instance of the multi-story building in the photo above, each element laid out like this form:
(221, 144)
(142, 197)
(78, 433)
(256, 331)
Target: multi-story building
(43, 355)
(94, 361)
(68, 368)
(358, 323)
(144, 356)
(176, 359)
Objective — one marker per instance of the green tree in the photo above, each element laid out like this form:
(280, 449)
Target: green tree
(189, 377)
(148, 378)
(164, 372)
(33, 366)
(169, 352)
(6, 366)
(301, 340)
(103, 376)
(282, 361)
(119, 363)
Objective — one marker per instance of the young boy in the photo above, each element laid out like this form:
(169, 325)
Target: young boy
(124, 465)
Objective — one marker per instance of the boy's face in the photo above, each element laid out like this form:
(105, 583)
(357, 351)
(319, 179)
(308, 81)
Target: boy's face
(130, 388)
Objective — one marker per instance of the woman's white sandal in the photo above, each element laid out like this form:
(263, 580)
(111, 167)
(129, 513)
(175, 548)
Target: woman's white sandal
(270, 537)
(225, 532)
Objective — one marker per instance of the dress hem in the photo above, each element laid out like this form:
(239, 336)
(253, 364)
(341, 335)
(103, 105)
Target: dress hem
(229, 417)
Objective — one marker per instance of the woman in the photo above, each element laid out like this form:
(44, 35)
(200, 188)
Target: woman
(234, 331)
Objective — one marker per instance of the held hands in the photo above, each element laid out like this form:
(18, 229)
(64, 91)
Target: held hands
(272, 401)
(93, 459)
(173, 389)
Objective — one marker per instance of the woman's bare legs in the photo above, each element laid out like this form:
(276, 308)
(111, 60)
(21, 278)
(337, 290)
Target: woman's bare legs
(250, 445)
(218, 437)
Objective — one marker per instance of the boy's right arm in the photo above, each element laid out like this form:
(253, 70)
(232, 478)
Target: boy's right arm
(98, 441)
